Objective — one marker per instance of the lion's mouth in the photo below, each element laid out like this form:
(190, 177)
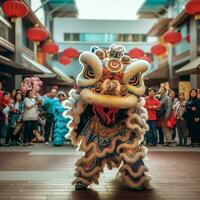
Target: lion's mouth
(107, 115)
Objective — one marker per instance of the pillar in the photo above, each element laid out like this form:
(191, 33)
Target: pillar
(193, 49)
(18, 81)
(18, 51)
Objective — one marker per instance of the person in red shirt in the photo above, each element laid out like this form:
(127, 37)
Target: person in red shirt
(5, 104)
(1, 90)
(152, 104)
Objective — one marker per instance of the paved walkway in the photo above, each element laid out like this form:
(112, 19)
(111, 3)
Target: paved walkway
(45, 172)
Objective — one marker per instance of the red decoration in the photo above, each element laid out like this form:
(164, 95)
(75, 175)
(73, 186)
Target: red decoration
(64, 60)
(71, 53)
(50, 48)
(158, 49)
(14, 9)
(37, 34)
(136, 53)
(192, 7)
(41, 57)
(148, 59)
(188, 38)
(172, 37)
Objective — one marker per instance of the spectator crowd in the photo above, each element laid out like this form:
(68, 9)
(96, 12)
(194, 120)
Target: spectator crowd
(171, 116)
(27, 117)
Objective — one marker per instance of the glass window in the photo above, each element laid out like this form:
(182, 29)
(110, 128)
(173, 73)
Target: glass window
(198, 32)
(183, 46)
(25, 26)
(4, 31)
(107, 37)
(71, 37)
(178, 7)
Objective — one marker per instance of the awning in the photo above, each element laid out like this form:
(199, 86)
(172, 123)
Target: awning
(9, 66)
(160, 74)
(62, 76)
(191, 68)
(52, 75)
(29, 63)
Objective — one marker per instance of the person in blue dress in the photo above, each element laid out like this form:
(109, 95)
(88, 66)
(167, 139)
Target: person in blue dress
(60, 122)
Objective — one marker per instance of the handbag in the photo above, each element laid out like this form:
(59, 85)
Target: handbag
(171, 122)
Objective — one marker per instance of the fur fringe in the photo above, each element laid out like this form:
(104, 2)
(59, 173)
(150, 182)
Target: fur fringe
(137, 174)
(135, 122)
(135, 185)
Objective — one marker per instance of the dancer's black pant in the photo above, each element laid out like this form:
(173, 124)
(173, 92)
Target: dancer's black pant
(10, 136)
(161, 135)
(48, 126)
(29, 126)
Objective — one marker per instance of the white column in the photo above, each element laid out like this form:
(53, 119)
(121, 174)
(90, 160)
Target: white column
(193, 48)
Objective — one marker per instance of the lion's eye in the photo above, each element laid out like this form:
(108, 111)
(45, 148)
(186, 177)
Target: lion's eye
(89, 73)
(136, 80)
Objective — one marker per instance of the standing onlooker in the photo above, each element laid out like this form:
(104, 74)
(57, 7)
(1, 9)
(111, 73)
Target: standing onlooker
(173, 99)
(198, 93)
(152, 104)
(49, 106)
(181, 124)
(13, 93)
(1, 90)
(30, 117)
(158, 123)
(166, 110)
(14, 122)
(5, 104)
(193, 117)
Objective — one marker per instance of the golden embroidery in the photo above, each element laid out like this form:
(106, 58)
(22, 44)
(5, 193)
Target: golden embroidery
(97, 128)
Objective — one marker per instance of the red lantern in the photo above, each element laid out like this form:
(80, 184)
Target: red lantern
(50, 48)
(136, 53)
(172, 37)
(192, 7)
(188, 38)
(71, 53)
(64, 60)
(37, 34)
(158, 49)
(148, 59)
(14, 9)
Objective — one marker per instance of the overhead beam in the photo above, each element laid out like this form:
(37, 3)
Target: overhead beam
(57, 7)
(42, 5)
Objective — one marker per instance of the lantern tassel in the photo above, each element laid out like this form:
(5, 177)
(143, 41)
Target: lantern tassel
(197, 17)
(13, 19)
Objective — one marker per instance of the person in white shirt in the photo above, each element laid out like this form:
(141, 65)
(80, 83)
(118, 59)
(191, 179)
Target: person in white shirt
(30, 117)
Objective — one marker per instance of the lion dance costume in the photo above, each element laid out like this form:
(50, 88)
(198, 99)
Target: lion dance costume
(108, 119)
